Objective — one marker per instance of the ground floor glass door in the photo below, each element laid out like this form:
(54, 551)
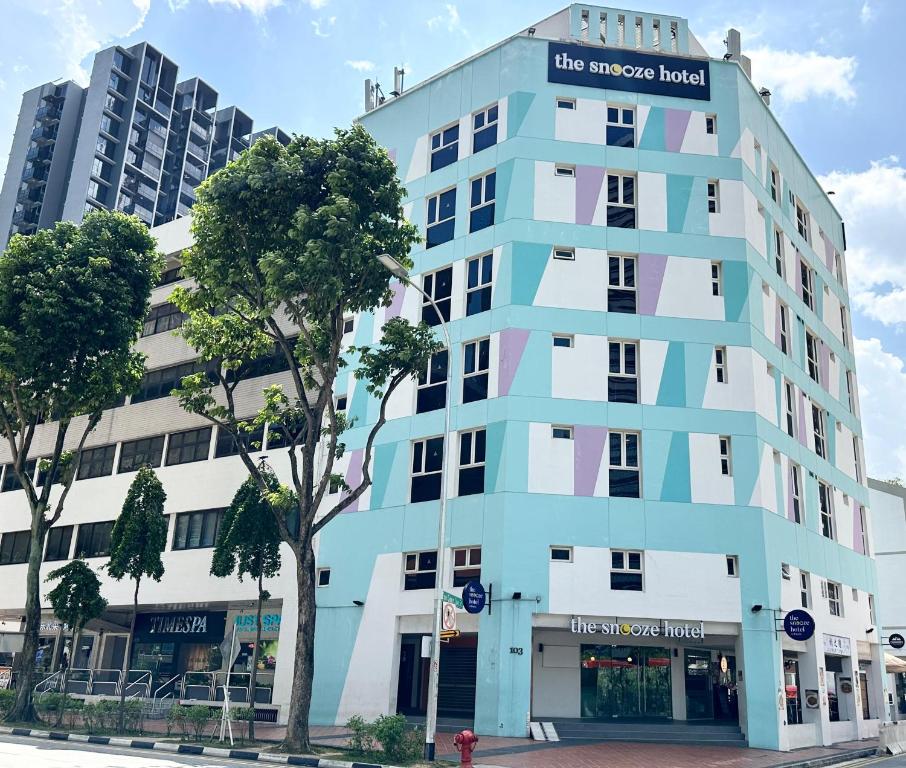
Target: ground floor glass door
(699, 696)
(625, 681)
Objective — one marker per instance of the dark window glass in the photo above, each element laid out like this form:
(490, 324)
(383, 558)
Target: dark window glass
(624, 482)
(96, 462)
(427, 458)
(163, 381)
(168, 276)
(472, 447)
(274, 362)
(439, 286)
(561, 553)
(620, 135)
(185, 447)
(164, 317)
(620, 216)
(283, 435)
(11, 479)
(227, 445)
(444, 147)
(629, 581)
(42, 474)
(58, 541)
(622, 389)
(94, 539)
(478, 284)
(138, 453)
(14, 547)
(475, 370)
(619, 300)
(432, 384)
(197, 530)
(441, 218)
(485, 137)
(324, 577)
(421, 570)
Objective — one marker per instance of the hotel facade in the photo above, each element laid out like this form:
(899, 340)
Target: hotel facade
(655, 451)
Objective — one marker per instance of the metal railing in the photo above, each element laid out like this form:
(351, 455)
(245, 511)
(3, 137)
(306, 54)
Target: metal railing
(197, 686)
(50, 683)
(138, 684)
(157, 700)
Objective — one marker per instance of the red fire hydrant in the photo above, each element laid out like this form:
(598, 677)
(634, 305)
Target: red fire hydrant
(465, 742)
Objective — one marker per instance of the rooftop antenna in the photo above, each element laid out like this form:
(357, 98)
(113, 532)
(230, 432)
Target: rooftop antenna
(398, 74)
(369, 95)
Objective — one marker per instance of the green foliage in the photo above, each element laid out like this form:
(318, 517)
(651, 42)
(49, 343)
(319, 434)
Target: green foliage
(387, 738)
(7, 697)
(101, 716)
(404, 349)
(198, 716)
(177, 717)
(139, 535)
(48, 703)
(248, 541)
(76, 600)
(134, 715)
(73, 708)
(242, 716)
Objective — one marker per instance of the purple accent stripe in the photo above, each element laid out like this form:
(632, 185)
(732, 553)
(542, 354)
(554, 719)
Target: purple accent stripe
(589, 179)
(589, 446)
(512, 345)
(828, 252)
(396, 304)
(652, 267)
(354, 476)
(676, 121)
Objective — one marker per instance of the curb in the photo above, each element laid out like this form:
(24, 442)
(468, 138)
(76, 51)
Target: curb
(820, 762)
(188, 749)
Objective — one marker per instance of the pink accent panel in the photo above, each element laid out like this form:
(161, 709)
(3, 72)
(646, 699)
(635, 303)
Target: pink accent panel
(803, 437)
(828, 252)
(396, 304)
(675, 121)
(589, 179)
(824, 363)
(589, 446)
(512, 345)
(354, 476)
(651, 278)
(858, 545)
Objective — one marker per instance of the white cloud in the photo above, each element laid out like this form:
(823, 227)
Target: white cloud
(795, 76)
(322, 28)
(867, 13)
(361, 65)
(255, 7)
(450, 19)
(882, 381)
(873, 204)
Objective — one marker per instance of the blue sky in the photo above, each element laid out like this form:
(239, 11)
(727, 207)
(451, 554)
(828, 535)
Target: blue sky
(834, 66)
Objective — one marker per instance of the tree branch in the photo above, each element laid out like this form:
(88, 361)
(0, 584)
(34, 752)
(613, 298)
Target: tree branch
(93, 420)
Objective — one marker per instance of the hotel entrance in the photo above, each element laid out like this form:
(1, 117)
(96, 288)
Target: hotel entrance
(625, 681)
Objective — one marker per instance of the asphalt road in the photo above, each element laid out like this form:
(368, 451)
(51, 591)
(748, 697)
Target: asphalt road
(25, 752)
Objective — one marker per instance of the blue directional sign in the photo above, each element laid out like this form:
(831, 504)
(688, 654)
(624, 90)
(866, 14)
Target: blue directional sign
(474, 597)
(799, 624)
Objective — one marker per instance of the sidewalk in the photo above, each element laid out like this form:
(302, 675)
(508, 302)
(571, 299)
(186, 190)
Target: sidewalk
(498, 752)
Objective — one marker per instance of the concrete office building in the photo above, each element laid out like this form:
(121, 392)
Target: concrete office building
(136, 140)
(655, 451)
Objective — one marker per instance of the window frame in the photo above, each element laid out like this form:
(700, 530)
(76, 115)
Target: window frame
(826, 511)
(620, 126)
(181, 541)
(803, 221)
(105, 454)
(563, 337)
(563, 253)
(834, 598)
(477, 210)
(625, 568)
(475, 466)
(195, 445)
(805, 589)
(819, 430)
(565, 102)
(620, 291)
(161, 318)
(484, 283)
(789, 408)
(56, 536)
(431, 392)
(439, 151)
(418, 555)
(618, 210)
(487, 122)
(779, 253)
(717, 278)
(624, 437)
(713, 195)
(477, 379)
(444, 303)
(320, 582)
(448, 222)
(622, 375)
(710, 124)
(152, 456)
(807, 278)
(733, 566)
(796, 491)
(774, 183)
(566, 432)
(470, 571)
(568, 559)
(434, 475)
(16, 553)
(91, 528)
(725, 445)
(720, 364)
(783, 312)
(812, 357)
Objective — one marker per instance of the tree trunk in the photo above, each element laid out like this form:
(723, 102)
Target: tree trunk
(76, 636)
(125, 683)
(23, 710)
(297, 738)
(256, 654)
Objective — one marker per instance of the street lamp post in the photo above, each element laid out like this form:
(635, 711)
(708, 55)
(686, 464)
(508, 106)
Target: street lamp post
(399, 271)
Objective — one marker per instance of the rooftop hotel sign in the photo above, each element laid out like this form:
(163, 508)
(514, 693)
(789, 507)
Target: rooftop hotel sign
(624, 70)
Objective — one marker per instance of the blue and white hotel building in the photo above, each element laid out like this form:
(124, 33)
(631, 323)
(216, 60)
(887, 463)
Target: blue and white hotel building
(655, 447)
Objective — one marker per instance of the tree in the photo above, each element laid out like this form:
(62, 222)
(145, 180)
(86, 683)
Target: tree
(72, 301)
(76, 600)
(248, 543)
(286, 240)
(138, 538)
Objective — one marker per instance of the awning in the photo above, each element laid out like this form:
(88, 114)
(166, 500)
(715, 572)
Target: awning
(894, 663)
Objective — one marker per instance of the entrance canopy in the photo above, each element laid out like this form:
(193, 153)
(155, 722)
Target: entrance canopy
(893, 663)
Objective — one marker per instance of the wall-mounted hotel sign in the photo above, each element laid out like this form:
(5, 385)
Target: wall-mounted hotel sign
(664, 628)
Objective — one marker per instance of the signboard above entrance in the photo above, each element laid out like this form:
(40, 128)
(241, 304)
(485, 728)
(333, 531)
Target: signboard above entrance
(198, 626)
(623, 70)
(663, 628)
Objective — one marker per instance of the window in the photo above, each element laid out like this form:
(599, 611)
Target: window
(93, 539)
(805, 593)
(227, 446)
(445, 147)
(439, 286)
(785, 571)
(348, 325)
(825, 505)
(138, 453)
(427, 467)
(844, 326)
(293, 432)
(733, 566)
(726, 460)
(11, 479)
(58, 543)
(563, 340)
(857, 459)
(466, 565)
(161, 382)
(197, 530)
(479, 275)
(481, 201)
(623, 376)
(802, 222)
(789, 408)
(711, 125)
(871, 609)
(783, 313)
(621, 200)
(713, 196)
(164, 317)
(811, 353)
(564, 254)
(565, 170)
(484, 128)
(565, 103)
(796, 492)
(562, 554)
(14, 546)
(472, 445)
(431, 388)
(323, 577)
(834, 599)
(779, 263)
(720, 364)
(421, 570)
(171, 275)
(441, 217)
(96, 462)
(624, 464)
(561, 432)
(717, 286)
(626, 570)
(818, 427)
(340, 404)
(621, 284)
(774, 179)
(476, 361)
(191, 445)
(620, 126)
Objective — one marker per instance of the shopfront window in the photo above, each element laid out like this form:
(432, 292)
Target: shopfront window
(792, 689)
(625, 681)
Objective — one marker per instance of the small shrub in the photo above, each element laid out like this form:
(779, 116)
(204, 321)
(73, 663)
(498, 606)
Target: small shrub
(74, 709)
(361, 737)
(49, 703)
(7, 699)
(134, 715)
(198, 716)
(177, 717)
(398, 741)
(242, 716)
